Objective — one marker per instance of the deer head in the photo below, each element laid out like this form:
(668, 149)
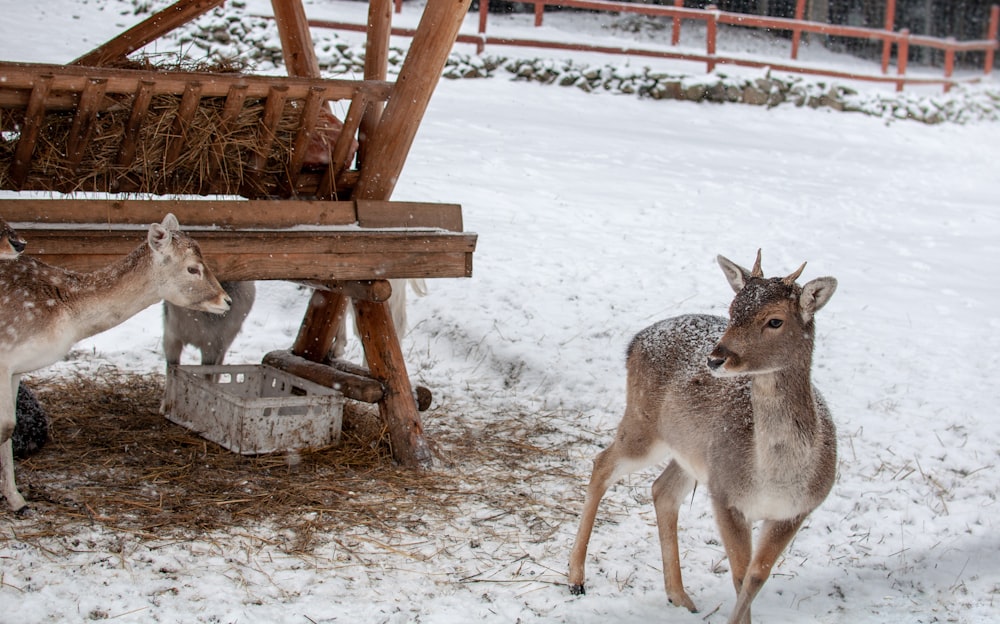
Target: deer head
(770, 321)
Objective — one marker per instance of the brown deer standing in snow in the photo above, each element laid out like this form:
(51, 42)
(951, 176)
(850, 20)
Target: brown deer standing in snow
(733, 408)
(45, 310)
(11, 245)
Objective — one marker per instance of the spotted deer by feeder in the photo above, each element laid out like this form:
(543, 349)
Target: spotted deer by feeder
(731, 405)
(45, 310)
(11, 245)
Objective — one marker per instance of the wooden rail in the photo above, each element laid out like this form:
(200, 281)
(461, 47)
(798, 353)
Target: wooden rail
(712, 17)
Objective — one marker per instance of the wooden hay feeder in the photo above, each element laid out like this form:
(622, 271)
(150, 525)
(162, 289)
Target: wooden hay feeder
(317, 189)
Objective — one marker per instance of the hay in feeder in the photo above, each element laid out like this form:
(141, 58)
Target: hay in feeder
(215, 156)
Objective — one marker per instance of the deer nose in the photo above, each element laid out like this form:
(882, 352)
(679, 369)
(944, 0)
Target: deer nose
(18, 244)
(715, 363)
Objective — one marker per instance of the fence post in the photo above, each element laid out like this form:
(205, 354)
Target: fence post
(890, 24)
(484, 11)
(902, 56)
(711, 30)
(675, 37)
(539, 12)
(949, 63)
(800, 12)
(399, 6)
(991, 34)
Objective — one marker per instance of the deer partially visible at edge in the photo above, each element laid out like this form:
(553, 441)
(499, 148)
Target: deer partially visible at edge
(732, 406)
(45, 310)
(11, 245)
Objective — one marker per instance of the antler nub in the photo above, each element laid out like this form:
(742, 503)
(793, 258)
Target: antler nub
(794, 276)
(756, 271)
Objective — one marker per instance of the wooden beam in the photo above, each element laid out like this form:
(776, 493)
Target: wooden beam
(296, 41)
(353, 386)
(150, 29)
(398, 406)
(421, 71)
(324, 315)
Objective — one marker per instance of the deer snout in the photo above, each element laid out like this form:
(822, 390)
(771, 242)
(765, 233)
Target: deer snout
(717, 359)
(18, 244)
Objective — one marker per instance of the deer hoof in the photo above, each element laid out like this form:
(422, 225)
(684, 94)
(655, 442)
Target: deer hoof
(682, 600)
(577, 590)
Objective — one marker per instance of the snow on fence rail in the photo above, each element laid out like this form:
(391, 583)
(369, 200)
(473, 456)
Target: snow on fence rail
(712, 17)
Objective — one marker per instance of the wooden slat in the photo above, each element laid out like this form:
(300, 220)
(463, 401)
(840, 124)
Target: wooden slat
(274, 108)
(395, 214)
(33, 118)
(150, 29)
(307, 129)
(130, 138)
(185, 113)
(332, 177)
(316, 336)
(296, 40)
(296, 267)
(230, 111)
(353, 386)
(235, 213)
(83, 122)
(18, 79)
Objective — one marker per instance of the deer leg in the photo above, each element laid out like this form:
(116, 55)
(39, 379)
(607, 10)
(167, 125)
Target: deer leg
(8, 414)
(735, 531)
(609, 466)
(669, 491)
(774, 538)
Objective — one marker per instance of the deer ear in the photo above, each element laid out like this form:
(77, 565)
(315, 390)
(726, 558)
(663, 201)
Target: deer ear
(170, 222)
(159, 236)
(814, 296)
(736, 274)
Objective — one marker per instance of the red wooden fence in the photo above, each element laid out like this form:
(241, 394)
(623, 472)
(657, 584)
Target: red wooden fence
(712, 18)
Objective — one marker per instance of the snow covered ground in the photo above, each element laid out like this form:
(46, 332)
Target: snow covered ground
(597, 215)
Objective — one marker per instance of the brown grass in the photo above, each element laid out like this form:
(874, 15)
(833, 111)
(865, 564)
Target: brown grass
(115, 461)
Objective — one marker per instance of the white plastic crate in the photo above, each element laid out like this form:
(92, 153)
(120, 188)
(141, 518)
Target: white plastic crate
(253, 409)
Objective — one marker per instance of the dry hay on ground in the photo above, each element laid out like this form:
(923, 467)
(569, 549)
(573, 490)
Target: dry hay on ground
(113, 460)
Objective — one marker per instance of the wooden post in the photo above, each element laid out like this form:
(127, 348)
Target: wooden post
(675, 36)
(376, 66)
(711, 32)
(991, 34)
(539, 13)
(419, 75)
(902, 56)
(322, 319)
(800, 12)
(385, 362)
(296, 41)
(150, 29)
(949, 63)
(890, 25)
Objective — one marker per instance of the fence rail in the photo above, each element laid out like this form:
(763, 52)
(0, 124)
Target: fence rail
(712, 17)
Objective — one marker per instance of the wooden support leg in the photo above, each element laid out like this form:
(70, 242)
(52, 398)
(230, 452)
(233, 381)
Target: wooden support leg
(385, 361)
(319, 326)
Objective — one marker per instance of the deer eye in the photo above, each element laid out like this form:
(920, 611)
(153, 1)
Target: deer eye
(775, 323)
(193, 270)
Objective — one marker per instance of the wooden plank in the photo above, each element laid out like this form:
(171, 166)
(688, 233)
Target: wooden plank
(296, 267)
(274, 108)
(230, 111)
(389, 146)
(398, 406)
(306, 131)
(33, 119)
(140, 108)
(397, 214)
(18, 79)
(376, 66)
(185, 114)
(222, 213)
(150, 29)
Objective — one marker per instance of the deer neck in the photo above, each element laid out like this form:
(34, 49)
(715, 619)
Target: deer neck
(784, 410)
(107, 297)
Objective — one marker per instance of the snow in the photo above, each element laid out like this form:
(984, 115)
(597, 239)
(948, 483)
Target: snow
(598, 215)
